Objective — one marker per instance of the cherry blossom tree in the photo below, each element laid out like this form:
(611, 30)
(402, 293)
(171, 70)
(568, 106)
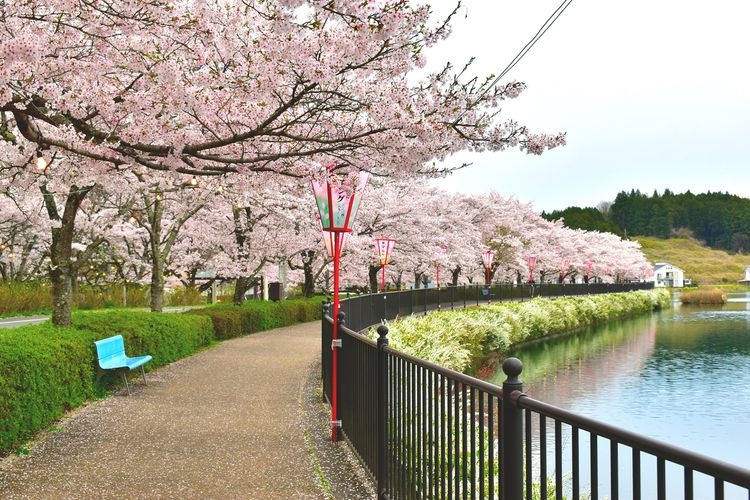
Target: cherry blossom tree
(203, 89)
(119, 89)
(22, 243)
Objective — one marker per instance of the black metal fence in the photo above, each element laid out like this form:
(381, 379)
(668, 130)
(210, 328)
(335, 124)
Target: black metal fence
(615, 462)
(424, 431)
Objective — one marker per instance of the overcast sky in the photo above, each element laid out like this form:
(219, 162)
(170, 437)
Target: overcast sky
(652, 94)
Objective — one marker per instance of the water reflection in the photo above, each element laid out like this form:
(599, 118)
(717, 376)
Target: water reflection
(681, 376)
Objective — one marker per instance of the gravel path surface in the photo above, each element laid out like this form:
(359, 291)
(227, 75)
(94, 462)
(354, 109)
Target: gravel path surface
(225, 423)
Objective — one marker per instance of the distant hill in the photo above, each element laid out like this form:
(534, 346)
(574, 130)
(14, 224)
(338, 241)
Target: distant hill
(722, 220)
(705, 266)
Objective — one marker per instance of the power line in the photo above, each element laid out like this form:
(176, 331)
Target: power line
(547, 24)
(526, 48)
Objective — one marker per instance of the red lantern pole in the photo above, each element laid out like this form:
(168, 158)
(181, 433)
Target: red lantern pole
(487, 257)
(337, 212)
(439, 254)
(384, 248)
(335, 354)
(532, 264)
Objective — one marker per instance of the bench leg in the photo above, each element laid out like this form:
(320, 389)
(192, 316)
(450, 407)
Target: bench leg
(125, 378)
(144, 374)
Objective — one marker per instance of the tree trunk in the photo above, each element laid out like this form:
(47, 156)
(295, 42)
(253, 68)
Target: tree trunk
(157, 285)
(241, 286)
(373, 276)
(455, 273)
(74, 285)
(62, 296)
(308, 289)
(399, 279)
(157, 259)
(61, 251)
(241, 231)
(417, 279)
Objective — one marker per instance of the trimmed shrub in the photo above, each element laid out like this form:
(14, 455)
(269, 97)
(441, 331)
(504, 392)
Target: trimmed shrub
(230, 321)
(46, 370)
(166, 337)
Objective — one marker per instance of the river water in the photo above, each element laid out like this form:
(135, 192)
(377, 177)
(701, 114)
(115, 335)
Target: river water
(681, 376)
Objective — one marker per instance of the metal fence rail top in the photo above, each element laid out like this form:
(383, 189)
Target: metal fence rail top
(707, 465)
(426, 448)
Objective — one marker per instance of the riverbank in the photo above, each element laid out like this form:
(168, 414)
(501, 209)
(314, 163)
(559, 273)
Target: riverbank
(459, 340)
(671, 360)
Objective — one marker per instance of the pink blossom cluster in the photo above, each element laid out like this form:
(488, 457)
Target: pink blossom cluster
(216, 88)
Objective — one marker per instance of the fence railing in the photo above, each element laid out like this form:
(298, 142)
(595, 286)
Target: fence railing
(622, 460)
(424, 431)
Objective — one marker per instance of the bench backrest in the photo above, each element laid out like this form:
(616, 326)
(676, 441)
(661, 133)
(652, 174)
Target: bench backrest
(110, 347)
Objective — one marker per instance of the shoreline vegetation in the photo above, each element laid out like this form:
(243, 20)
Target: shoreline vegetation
(461, 340)
(698, 297)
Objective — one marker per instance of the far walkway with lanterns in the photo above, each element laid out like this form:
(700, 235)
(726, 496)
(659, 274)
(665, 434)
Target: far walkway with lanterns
(244, 419)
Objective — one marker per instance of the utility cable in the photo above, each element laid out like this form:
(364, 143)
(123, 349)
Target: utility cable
(526, 48)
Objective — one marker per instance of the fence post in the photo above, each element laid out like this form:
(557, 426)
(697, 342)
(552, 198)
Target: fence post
(382, 413)
(326, 307)
(512, 433)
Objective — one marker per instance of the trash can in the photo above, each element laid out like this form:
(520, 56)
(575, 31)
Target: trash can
(274, 291)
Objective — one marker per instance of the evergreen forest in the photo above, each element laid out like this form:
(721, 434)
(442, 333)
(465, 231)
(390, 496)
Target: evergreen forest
(721, 220)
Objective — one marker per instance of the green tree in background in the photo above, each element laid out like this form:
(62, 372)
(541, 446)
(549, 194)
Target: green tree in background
(587, 218)
(721, 220)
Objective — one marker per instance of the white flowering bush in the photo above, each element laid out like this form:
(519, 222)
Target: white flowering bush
(456, 339)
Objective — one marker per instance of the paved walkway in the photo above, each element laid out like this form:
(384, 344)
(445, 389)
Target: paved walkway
(225, 423)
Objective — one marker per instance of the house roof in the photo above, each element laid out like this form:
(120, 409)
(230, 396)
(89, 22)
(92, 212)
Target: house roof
(659, 265)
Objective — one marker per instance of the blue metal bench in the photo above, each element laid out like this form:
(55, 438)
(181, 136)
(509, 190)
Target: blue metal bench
(111, 354)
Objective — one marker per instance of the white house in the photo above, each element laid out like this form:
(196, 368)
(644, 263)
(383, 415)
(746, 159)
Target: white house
(746, 281)
(665, 274)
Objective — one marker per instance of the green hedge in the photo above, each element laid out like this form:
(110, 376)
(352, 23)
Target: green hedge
(166, 337)
(46, 371)
(231, 321)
